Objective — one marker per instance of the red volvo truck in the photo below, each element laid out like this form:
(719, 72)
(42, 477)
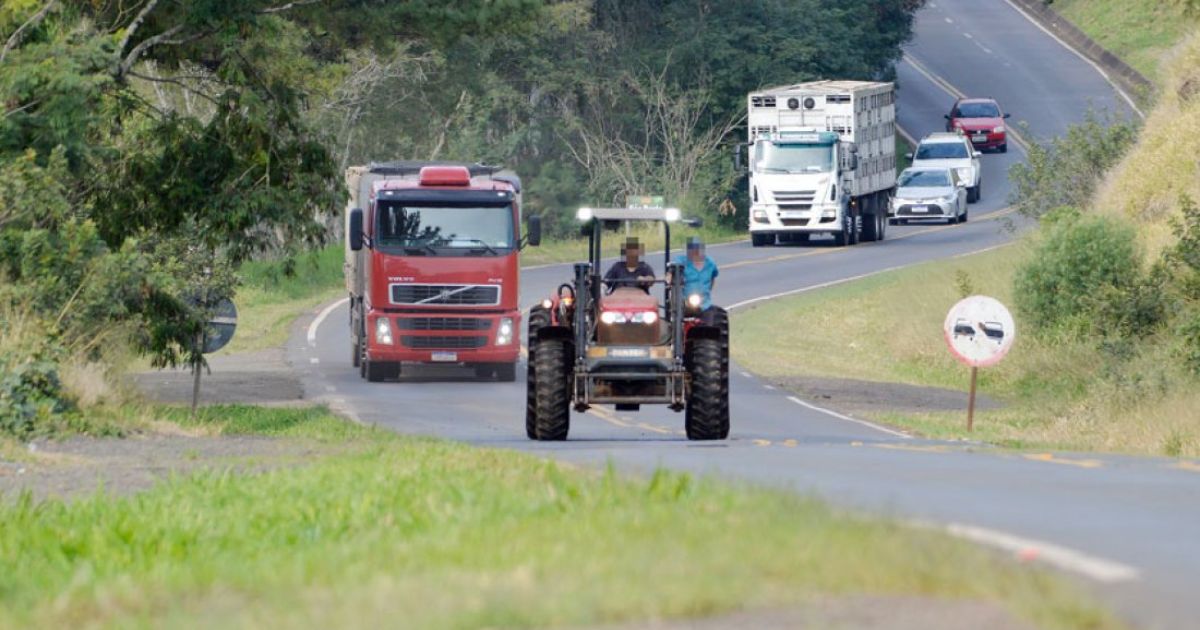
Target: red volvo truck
(432, 267)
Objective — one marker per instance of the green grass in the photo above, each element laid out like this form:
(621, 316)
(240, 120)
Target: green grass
(394, 531)
(1056, 394)
(1142, 32)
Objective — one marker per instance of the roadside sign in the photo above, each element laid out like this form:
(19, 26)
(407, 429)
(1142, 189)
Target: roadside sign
(221, 326)
(646, 202)
(980, 331)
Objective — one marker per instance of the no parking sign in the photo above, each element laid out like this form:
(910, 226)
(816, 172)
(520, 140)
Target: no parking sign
(980, 331)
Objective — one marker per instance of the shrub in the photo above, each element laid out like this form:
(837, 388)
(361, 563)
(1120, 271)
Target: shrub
(1081, 275)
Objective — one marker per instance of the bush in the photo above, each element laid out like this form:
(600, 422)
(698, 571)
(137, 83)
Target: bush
(32, 397)
(1086, 277)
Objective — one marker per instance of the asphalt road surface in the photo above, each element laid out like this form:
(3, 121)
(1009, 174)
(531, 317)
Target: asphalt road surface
(1129, 528)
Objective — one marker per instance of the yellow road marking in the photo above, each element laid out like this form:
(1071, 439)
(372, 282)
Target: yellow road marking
(915, 449)
(609, 417)
(1051, 459)
(762, 442)
(956, 93)
(789, 443)
(650, 427)
(1188, 466)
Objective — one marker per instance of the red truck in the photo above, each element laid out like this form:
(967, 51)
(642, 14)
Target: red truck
(432, 267)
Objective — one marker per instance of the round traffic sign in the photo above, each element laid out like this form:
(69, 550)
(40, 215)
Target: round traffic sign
(221, 325)
(979, 331)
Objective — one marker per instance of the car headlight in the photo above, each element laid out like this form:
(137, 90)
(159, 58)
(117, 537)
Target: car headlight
(950, 198)
(504, 334)
(383, 331)
(965, 173)
(612, 317)
(998, 129)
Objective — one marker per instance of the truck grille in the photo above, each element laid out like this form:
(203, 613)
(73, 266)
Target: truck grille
(443, 343)
(795, 196)
(446, 294)
(443, 323)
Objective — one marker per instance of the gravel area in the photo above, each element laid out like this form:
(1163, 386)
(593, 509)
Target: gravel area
(259, 378)
(870, 397)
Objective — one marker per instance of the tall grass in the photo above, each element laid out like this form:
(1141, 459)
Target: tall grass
(1142, 32)
(414, 533)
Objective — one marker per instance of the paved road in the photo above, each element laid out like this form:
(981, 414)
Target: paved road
(1126, 526)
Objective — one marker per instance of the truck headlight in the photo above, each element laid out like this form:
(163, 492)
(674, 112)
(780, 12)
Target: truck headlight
(760, 216)
(383, 331)
(504, 334)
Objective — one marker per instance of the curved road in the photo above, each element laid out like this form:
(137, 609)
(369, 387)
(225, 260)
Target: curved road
(1126, 527)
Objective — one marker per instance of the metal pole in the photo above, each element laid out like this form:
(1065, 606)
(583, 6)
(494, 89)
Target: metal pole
(971, 400)
(196, 383)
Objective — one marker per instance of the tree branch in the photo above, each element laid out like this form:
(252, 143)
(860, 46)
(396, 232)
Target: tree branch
(34, 20)
(146, 44)
(287, 7)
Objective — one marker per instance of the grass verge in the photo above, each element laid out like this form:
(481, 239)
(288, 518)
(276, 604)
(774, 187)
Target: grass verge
(441, 535)
(1142, 32)
(1055, 394)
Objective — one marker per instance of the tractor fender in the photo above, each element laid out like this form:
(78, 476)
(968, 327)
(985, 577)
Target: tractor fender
(555, 332)
(704, 332)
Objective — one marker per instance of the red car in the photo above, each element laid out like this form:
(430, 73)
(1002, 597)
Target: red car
(982, 121)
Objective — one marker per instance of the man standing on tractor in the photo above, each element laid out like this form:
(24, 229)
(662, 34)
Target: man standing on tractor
(631, 272)
(699, 275)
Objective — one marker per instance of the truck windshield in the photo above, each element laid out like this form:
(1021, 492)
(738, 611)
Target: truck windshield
(432, 229)
(941, 150)
(793, 158)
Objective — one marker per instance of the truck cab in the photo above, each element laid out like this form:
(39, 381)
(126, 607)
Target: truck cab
(432, 268)
(794, 182)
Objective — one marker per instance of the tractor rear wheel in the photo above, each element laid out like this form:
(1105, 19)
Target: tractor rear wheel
(707, 415)
(552, 407)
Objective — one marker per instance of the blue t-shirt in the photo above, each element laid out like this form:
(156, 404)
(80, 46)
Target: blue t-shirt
(698, 280)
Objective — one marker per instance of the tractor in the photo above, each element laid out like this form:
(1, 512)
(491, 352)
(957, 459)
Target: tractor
(624, 347)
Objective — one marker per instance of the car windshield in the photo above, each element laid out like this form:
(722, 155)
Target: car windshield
(793, 158)
(924, 179)
(941, 150)
(977, 110)
(428, 228)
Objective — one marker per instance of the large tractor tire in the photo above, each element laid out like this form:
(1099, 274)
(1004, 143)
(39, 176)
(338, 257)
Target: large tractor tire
(552, 408)
(707, 415)
(538, 317)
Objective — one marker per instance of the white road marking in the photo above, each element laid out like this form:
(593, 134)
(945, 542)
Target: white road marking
(314, 360)
(1096, 66)
(839, 416)
(769, 387)
(747, 374)
(949, 20)
(968, 36)
(316, 323)
(330, 388)
(1027, 549)
(813, 287)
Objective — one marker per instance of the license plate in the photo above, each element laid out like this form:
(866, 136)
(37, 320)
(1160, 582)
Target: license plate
(445, 357)
(628, 353)
(979, 138)
(920, 209)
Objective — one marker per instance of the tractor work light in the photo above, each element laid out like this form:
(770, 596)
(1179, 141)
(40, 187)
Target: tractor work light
(504, 334)
(672, 214)
(546, 303)
(584, 215)
(383, 331)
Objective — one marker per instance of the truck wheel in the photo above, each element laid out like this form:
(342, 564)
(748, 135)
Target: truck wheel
(538, 317)
(762, 240)
(872, 231)
(848, 235)
(552, 413)
(355, 353)
(707, 414)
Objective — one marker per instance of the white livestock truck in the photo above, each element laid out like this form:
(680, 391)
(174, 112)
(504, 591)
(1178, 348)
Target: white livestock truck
(822, 161)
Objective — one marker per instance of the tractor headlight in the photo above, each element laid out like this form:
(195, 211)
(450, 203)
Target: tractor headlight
(383, 331)
(504, 334)
(648, 317)
(695, 300)
(547, 303)
(612, 317)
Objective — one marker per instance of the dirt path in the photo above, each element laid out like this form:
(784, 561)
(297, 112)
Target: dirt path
(257, 378)
(857, 397)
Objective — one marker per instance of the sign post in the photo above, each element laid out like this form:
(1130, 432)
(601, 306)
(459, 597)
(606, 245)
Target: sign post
(979, 331)
(218, 332)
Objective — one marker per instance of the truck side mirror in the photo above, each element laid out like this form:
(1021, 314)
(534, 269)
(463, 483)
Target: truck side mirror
(908, 156)
(694, 222)
(355, 230)
(533, 235)
(738, 163)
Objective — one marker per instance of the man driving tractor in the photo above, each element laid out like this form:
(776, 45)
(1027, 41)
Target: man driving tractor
(631, 272)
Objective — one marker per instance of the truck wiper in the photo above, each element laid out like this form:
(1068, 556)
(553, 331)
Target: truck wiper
(484, 245)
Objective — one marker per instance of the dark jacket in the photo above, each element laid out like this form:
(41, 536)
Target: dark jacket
(620, 276)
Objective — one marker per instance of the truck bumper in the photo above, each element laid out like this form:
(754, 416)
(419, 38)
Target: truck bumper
(446, 339)
(818, 220)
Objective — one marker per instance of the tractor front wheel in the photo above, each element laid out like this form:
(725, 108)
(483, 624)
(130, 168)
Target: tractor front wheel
(707, 415)
(551, 385)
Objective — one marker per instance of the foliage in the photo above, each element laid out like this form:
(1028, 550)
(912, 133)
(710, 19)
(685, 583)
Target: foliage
(1066, 171)
(1081, 279)
(31, 394)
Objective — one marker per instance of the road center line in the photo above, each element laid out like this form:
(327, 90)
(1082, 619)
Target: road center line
(949, 88)
(839, 416)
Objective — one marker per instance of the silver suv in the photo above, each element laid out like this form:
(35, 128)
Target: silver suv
(952, 150)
